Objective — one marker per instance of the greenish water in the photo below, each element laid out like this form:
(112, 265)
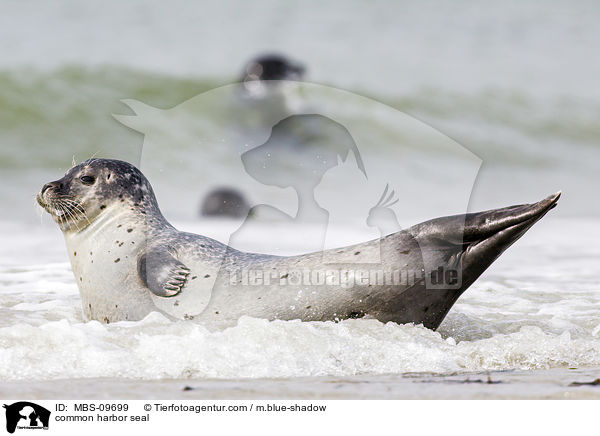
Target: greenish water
(47, 117)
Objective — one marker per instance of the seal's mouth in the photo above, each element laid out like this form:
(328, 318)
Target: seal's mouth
(52, 207)
(64, 209)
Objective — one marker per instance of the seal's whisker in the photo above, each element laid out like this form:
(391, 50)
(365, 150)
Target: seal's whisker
(60, 207)
(57, 209)
(76, 207)
(64, 196)
(77, 215)
(70, 213)
(39, 208)
(72, 203)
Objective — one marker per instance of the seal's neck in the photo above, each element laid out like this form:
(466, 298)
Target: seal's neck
(119, 218)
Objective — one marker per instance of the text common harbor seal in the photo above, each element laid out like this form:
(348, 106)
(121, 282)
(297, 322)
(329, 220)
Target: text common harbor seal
(129, 261)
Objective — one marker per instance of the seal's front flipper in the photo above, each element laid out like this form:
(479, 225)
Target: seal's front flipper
(164, 275)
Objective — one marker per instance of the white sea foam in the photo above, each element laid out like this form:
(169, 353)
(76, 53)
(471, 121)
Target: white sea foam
(536, 308)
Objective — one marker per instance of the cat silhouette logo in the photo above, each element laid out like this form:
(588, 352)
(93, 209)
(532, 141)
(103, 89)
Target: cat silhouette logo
(26, 415)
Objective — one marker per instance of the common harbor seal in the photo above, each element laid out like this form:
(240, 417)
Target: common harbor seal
(129, 261)
(225, 202)
(272, 67)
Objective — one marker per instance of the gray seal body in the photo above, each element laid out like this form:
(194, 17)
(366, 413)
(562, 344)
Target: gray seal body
(129, 261)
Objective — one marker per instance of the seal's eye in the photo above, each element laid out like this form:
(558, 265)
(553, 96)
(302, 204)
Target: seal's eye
(87, 180)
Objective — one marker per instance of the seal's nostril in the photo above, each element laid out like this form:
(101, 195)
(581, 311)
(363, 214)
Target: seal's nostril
(54, 185)
(45, 188)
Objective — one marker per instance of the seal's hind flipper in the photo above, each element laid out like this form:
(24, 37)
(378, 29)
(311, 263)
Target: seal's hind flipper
(164, 275)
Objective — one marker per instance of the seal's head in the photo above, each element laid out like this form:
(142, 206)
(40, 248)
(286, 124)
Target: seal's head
(91, 188)
(272, 67)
